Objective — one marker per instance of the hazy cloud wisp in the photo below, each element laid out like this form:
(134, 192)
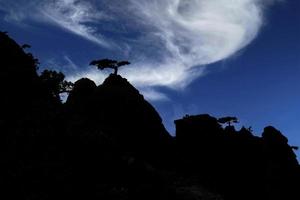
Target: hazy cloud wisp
(73, 16)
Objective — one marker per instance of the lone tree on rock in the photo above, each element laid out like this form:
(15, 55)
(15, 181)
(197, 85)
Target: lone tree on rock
(228, 120)
(107, 63)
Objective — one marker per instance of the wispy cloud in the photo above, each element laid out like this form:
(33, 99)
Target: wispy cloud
(78, 17)
(154, 95)
(74, 15)
(188, 35)
(170, 42)
(14, 11)
(198, 32)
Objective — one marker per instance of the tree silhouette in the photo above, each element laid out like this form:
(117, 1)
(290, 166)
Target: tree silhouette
(54, 81)
(25, 46)
(107, 63)
(228, 120)
(4, 32)
(295, 147)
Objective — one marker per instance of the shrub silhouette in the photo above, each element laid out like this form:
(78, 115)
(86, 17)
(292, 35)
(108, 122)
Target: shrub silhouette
(25, 46)
(295, 148)
(55, 82)
(107, 63)
(228, 120)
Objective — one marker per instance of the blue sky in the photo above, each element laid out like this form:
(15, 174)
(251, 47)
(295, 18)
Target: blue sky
(238, 57)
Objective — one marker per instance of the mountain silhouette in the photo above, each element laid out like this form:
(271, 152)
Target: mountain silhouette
(108, 142)
(235, 162)
(121, 111)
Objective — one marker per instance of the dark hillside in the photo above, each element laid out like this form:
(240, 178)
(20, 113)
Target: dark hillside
(107, 142)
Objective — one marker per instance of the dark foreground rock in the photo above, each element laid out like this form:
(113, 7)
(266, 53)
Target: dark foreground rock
(108, 142)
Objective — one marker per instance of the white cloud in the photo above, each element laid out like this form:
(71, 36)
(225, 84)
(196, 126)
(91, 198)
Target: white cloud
(91, 74)
(73, 15)
(189, 34)
(173, 40)
(199, 32)
(153, 95)
(13, 12)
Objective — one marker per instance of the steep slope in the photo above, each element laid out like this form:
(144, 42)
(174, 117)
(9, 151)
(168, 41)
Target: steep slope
(120, 111)
(22, 90)
(29, 124)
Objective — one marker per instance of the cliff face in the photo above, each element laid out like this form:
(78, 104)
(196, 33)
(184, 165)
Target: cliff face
(123, 111)
(117, 110)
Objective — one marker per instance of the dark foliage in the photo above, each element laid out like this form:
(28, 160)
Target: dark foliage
(25, 46)
(55, 82)
(107, 63)
(107, 142)
(228, 120)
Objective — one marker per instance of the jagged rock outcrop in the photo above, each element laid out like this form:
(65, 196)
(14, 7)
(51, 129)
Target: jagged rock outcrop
(81, 94)
(119, 110)
(233, 162)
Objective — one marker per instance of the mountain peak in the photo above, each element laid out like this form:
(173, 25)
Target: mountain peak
(118, 109)
(114, 81)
